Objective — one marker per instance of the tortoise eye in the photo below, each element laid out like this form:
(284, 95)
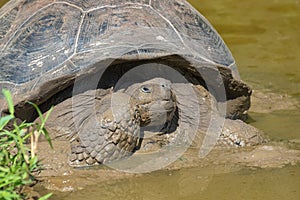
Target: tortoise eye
(145, 89)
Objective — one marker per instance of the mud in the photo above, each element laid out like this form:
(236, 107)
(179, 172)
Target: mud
(58, 176)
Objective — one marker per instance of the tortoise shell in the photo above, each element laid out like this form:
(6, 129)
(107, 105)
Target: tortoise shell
(44, 42)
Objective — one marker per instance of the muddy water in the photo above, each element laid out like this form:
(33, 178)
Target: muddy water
(199, 184)
(264, 38)
(265, 41)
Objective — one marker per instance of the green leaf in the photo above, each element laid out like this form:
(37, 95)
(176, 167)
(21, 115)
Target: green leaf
(46, 196)
(9, 134)
(33, 163)
(47, 136)
(48, 114)
(9, 195)
(4, 121)
(42, 118)
(16, 167)
(4, 169)
(43, 122)
(9, 101)
(37, 109)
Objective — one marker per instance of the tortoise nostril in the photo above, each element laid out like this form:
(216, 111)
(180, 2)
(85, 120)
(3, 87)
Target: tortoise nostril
(165, 86)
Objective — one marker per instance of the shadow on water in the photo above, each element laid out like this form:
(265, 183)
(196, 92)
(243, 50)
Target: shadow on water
(265, 41)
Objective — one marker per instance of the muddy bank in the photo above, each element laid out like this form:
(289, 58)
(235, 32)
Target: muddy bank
(58, 176)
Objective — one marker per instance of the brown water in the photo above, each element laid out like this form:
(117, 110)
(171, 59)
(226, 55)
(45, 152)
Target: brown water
(196, 184)
(264, 37)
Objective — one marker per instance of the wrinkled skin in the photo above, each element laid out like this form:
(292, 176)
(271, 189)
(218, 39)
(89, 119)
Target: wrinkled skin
(104, 126)
(110, 129)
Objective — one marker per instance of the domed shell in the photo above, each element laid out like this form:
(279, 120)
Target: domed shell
(41, 40)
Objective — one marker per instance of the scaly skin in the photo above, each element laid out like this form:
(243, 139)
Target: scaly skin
(106, 126)
(116, 132)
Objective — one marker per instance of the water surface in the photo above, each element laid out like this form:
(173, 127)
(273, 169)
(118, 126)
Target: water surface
(199, 184)
(263, 36)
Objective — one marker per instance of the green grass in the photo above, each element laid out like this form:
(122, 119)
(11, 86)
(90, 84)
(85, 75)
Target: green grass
(18, 162)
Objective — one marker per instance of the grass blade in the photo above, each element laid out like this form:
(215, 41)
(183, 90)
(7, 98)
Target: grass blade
(37, 109)
(46, 196)
(9, 101)
(46, 134)
(4, 121)
(47, 116)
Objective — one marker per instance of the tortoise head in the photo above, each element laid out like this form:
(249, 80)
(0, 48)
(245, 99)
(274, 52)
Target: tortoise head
(154, 100)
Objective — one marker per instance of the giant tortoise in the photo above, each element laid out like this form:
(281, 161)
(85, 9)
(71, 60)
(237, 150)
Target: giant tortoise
(124, 77)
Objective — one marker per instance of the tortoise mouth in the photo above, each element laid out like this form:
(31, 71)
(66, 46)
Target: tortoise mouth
(158, 114)
(169, 105)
